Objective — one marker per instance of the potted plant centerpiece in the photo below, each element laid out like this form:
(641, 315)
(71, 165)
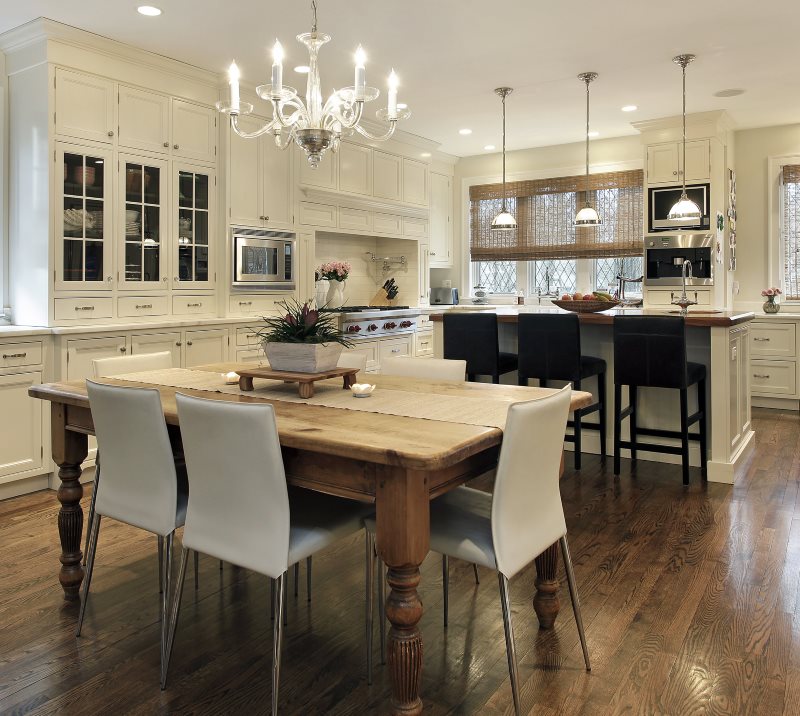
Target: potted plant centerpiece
(303, 339)
(335, 273)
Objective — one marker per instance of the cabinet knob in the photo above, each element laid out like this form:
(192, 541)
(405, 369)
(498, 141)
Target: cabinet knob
(188, 343)
(164, 279)
(123, 349)
(675, 173)
(110, 133)
(266, 218)
(175, 278)
(166, 145)
(432, 253)
(178, 343)
(761, 375)
(109, 279)
(175, 146)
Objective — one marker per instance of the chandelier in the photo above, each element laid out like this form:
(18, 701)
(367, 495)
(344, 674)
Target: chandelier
(313, 125)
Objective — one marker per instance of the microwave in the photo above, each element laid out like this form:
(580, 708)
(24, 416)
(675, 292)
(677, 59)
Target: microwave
(264, 259)
(662, 199)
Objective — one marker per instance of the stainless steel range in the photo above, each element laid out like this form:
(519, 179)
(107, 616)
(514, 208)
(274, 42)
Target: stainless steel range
(371, 322)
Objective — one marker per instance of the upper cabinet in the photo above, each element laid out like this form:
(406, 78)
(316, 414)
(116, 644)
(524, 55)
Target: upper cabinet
(388, 176)
(194, 131)
(143, 120)
(415, 182)
(665, 162)
(193, 227)
(355, 169)
(84, 106)
(440, 249)
(325, 176)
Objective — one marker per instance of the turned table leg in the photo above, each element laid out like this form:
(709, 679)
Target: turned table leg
(69, 451)
(403, 528)
(545, 602)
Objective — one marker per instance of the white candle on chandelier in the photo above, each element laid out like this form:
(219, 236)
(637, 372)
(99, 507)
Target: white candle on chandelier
(233, 78)
(277, 68)
(392, 108)
(361, 73)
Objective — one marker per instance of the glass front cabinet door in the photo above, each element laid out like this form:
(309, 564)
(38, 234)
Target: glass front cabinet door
(193, 260)
(83, 219)
(143, 224)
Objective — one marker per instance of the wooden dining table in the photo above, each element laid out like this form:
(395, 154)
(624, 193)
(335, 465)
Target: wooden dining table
(399, 463)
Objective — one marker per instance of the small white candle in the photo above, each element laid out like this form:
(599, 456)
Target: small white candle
(361, 72)
(231, 377)
(392, 108)
(277, 68)
(233, 78)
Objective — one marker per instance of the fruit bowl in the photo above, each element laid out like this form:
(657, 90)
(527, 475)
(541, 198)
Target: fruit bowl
(593, 306)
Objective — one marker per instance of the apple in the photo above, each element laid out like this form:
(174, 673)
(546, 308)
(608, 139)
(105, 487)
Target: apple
(566, 297)
(577, 296)
(588, 297)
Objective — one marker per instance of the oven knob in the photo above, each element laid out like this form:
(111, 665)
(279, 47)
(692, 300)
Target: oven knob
(372, 327)
(389, 326)
(353, 329)
(405, 324)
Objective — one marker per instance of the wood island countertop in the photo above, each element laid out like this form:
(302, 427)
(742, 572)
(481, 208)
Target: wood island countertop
(708, 318)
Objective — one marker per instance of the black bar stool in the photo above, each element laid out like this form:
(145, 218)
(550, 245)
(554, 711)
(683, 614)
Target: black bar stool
(549, 348)
(651, 352)
(473, 337)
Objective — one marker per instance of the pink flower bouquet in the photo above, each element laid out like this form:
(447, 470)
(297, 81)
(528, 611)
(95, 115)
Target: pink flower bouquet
(771, 293)
(335, 270)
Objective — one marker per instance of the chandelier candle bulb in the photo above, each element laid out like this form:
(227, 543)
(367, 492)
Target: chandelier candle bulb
(392, 105)
(277, 68)
(233, 77)
(361, 73)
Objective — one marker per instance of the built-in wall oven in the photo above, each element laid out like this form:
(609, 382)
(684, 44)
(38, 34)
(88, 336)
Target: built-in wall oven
(264, 259)
(664, 257)
(662, 198)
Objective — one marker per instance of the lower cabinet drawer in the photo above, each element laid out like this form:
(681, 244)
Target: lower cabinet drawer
(246, 337)
(253, 355)
(773, 377)
(423, 344)
(81, 309)
(131, 306)
(369, 349)
(13, 355)
(776, 340)
(395, 347)
(255, 304)
(193, 305)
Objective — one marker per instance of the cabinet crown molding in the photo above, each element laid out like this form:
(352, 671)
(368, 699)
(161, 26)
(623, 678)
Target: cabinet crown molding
(348, 200)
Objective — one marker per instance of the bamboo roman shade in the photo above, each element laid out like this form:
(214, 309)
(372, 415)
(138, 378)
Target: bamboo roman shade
(545, 210)
(790, 230)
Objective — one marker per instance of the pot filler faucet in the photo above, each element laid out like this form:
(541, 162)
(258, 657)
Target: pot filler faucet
(683, 300)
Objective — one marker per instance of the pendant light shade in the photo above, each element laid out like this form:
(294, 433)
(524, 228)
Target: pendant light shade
(587, 216)
(504, 221)
(684, 209)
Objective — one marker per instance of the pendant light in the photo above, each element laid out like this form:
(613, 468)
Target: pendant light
(587, 216)
(504, 221)
(684, 209)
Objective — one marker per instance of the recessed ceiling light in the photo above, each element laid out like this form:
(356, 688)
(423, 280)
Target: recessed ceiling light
(489, 147)
(464, 132)
(729, 93)
(148, 10)
(302, 69)
(629, 108)
(424, 154)
(593, 134)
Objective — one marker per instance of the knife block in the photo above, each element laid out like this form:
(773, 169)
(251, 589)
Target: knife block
(381, 299)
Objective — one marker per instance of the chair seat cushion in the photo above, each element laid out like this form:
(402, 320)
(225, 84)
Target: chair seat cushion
(695, 372)
(461, 526)
(508, 362)
(592, 366)
(317, 521)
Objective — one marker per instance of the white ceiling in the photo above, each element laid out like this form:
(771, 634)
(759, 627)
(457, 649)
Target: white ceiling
(451, 54)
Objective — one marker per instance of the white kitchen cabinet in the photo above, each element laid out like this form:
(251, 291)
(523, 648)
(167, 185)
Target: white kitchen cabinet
(194, 131)
(257, 304)
(83, 218)
(424, 273)
(355, 169)
(194, 225)
(325, 176)
(202, 347)
(277, 195)
(387, 223)
(84, 107)
(144, 343)
(423, 344)
(21, 446)
(368, 349)
(139, 306)
(415, 182)
(665, 162)
(143, 120)
(83, 309)
(396, 347)
(357, 220)
(441, 223)
(313, 214)
(387, 176)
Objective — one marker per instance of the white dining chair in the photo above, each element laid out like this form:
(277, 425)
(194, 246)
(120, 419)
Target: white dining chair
(429, 368)
(140, 485)
(260, 525)
(108, 368)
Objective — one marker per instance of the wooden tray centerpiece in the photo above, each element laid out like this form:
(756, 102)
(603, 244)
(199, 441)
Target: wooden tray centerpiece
(305, 381)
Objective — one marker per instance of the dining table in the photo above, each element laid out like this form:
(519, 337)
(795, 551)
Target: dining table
(412, 441)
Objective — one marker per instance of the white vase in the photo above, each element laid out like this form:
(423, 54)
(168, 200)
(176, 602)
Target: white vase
(335, 297)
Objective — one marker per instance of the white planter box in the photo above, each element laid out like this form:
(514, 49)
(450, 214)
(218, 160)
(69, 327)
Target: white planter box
(302, 357)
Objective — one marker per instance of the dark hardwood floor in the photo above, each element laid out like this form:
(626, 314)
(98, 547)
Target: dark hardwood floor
(690, 599)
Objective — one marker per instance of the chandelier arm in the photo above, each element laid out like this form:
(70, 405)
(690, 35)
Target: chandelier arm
(348, 118)
(300, 113)
(364, 133)
(280, 144)
(268, 127)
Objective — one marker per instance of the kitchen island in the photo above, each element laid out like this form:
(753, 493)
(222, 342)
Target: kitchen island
(718, 339)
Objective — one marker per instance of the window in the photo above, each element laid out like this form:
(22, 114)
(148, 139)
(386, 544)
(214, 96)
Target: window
(790, 231)
(607, 270)
(554, 276)
(496, 276)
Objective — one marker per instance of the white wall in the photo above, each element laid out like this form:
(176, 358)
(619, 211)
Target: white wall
(558, 160)
(754, 147)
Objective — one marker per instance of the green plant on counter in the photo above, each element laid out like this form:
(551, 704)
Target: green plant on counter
(302, 324)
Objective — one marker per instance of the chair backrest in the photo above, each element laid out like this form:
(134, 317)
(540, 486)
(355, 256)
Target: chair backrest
(238, 500)
(650, 351)
(352, 359)
(549, 346)
(139, 484)
(109, 367)
(472, 337)
(429, 368)
(527, 516)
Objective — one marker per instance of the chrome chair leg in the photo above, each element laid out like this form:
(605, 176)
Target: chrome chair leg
(370, 585)
(296, 578)
(475, 569)
(87, 580)
(196, 570)
(160, 564)
(165, 595)
(277, 639)
(176, 609)
(446, 585)
(308, 578)
(576, 602)
(382, 607)
(511, 650)
(90, 518)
